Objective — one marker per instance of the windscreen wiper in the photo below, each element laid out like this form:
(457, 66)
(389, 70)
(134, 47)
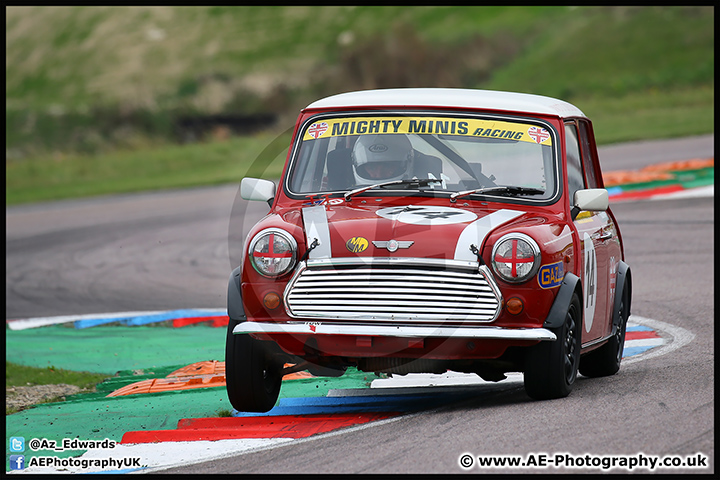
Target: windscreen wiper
(420, 182)
(500, 190)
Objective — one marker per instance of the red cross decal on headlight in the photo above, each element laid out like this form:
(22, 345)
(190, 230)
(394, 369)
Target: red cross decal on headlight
(271, 250)
(514, 259)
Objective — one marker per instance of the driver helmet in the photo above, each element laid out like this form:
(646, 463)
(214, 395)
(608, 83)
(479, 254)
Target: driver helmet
(381, 158)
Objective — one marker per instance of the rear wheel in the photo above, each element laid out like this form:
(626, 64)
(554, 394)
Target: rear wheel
(252, 374)
(606, 360)
(551, 367)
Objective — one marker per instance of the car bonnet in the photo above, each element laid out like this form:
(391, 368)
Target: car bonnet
(420, 231)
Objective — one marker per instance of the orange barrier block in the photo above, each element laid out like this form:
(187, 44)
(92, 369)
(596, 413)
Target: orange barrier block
(206, 374)
(209, 367)
(622, 177)
(694, 164)
(137, 387)
(296, 375)
(156, 385)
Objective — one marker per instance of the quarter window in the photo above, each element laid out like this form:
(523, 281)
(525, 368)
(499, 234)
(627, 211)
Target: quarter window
(574, 165)
(587, 156)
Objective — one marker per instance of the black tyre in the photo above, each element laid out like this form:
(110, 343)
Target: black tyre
(551, 367)
(252, 374)
(606, 360)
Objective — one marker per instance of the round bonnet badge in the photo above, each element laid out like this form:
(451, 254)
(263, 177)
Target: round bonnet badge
(427, 215)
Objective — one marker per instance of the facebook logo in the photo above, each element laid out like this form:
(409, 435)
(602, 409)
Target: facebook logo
(17, 444)
(17, 462)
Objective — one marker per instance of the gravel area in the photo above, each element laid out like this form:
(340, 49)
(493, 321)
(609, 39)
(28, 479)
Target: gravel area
(22, 397)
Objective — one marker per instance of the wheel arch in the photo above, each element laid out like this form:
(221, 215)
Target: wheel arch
(235, 308)
(622, 278)
(570, 285)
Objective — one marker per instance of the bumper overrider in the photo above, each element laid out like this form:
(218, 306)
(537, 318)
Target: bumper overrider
(393, 297)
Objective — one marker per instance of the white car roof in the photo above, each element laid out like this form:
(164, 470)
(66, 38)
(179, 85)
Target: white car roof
(451, 97)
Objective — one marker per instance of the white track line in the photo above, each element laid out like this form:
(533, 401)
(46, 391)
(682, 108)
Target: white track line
(25, 323)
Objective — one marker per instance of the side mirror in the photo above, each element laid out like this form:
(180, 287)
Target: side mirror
(590, 199)
(257, 189)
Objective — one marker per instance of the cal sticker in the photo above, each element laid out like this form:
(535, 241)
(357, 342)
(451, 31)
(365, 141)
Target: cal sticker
(538, 134)
(589, 281)
(357, 244)
(584, 217)
(613, 278)
(317, 129)
(551, 275)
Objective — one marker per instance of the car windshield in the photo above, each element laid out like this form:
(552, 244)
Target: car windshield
(467, 154)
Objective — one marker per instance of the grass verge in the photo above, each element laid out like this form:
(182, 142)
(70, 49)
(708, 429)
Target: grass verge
(650, 114)
(56, 177)
(21, 375)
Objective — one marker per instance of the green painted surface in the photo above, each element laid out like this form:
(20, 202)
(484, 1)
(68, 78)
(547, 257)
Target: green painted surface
(96, 417)
(136, 354)
(108, 349)
(100, 418)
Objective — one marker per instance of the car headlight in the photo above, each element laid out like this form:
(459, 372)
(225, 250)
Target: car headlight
(273, 252)
(515, 257)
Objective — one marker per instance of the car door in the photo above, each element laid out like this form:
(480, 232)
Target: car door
(594, 230)
(608, 235)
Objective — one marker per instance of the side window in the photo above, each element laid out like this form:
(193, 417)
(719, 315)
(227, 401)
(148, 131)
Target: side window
(574, 165)
(588, 160)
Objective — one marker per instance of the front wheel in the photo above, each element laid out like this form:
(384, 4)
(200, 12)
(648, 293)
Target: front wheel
(551, 367)
(252, 374)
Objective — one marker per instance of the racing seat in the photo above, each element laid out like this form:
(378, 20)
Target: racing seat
(339, 169)
(425, 164)
(483, 180)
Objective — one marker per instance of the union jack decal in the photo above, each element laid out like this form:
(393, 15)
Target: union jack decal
(538, 134)
(317, 129)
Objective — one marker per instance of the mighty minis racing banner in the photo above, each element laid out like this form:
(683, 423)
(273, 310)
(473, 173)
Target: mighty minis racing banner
(428, 125)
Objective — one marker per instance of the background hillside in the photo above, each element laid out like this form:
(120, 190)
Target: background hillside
(83, 82)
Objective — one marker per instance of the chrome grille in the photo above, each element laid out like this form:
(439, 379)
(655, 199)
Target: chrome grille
(393, 290)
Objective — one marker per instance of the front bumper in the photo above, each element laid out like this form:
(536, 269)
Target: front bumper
(318, 328)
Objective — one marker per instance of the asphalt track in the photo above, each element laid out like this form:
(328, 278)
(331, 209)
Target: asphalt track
(171, 250)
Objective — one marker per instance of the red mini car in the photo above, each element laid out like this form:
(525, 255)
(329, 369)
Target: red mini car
(426, 230)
